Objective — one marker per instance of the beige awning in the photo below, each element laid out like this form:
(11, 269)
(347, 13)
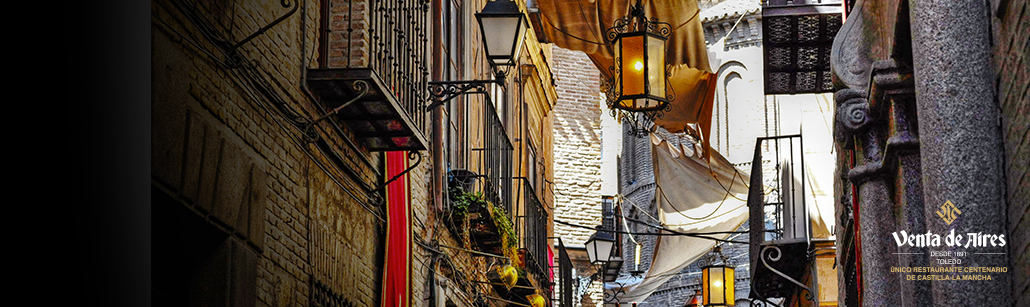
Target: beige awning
(581, 24)
(693, 196)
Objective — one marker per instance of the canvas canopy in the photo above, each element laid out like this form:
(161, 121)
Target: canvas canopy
(693, 196)
(581, 25)
(696, 195)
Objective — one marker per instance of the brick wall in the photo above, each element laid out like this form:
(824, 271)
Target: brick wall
(348, 33)
(1010, 26)
(219, 131)
(577, 155)
(577, 145)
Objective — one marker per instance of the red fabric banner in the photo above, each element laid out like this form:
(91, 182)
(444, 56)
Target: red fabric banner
(396, 279)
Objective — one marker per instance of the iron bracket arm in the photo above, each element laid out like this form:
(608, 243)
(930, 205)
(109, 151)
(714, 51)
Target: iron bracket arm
(443, 91)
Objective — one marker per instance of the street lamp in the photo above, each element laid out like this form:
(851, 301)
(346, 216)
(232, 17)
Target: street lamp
(717, 279)
(600, 246)
(503, 27)
(640, 82)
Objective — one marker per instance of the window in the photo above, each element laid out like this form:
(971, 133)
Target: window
(531, 166)
(452, 27)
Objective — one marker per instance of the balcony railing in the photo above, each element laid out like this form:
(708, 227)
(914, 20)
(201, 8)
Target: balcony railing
(399, 46)
(611, 220)
(780, 231)
(494, 158)
(566, 285)
(534, 233)
(373, 71)
(781, 214)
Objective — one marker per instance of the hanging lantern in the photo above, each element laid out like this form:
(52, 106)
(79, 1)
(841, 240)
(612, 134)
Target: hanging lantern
(717, 288)
(640, 76)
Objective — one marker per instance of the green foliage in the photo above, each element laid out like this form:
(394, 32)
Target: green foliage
(461, 201)
(509, 240)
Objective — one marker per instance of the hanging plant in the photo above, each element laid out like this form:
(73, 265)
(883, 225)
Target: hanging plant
(509, 240)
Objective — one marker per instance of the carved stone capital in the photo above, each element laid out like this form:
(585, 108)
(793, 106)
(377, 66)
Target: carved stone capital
(853, 113)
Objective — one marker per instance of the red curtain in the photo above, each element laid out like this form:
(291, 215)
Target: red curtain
(396, 280)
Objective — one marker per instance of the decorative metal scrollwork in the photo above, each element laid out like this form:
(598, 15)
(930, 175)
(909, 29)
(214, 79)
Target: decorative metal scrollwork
(713, 258)
(360, 86)
(613, 296)
(443, 91)
(766, 253)
(234, 59)
(626, 24)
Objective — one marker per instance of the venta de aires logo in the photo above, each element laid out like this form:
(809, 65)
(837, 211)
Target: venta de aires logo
(948, 212)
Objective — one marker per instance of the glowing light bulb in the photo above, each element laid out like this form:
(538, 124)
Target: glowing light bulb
(718, 284)
(639, 65)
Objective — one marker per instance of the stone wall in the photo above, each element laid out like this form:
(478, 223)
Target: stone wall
(1010, 25)
(577, 145)
(577, 155)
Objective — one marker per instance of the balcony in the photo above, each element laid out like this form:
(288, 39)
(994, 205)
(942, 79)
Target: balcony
(566, 284)
(780, 234)
(797, 36)
(390, 59)
(378, 119)
(611, 220)
(476, 217)
(534, 236)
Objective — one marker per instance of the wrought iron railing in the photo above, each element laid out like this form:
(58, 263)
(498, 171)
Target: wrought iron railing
(565, 284)
(399, 33)
(777, 204)
(495, 158)
(611, 220)
(534, 233)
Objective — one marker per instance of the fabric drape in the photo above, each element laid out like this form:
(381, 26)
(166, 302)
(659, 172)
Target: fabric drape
(693, 196)
(581, 25)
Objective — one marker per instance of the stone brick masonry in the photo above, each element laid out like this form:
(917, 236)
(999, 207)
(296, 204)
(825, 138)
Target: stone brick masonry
(577, 155)
(577, 145)
(309, 221)
(1011, 44)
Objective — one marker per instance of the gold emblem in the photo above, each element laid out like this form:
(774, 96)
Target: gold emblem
(948, 212)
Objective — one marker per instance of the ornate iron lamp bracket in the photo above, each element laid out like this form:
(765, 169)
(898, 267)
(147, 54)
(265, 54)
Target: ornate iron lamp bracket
(444, 91)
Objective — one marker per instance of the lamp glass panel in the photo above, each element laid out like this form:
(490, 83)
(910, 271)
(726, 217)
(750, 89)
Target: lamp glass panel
(656, 66)
(730, 286)
(501, 34)
(604, 250)
(640, 103)
(591, 247)
(716, 286)
(631, 52)
(519, 38)
(705, 291)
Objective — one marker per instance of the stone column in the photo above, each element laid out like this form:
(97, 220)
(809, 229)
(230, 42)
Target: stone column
(960, 140)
